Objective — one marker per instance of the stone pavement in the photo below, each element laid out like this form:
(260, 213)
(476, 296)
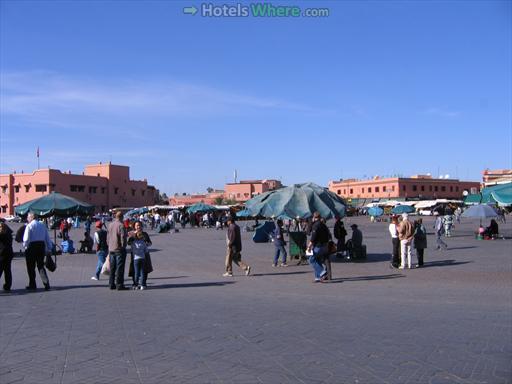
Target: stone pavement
(449, 322)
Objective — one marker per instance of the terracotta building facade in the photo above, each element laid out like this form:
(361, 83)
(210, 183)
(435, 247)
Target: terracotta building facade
(415, 187)
(105, 186)
(497, 176)
(247, 189)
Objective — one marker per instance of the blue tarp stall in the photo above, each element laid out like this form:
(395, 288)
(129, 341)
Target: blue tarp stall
(243, 213)
(263, 231)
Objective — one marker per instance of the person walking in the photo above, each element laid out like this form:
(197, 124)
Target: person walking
(393, 231)
(420, 240)
(6, 255)
(116, 240)
(234, 247)
(279, 243)
(37, 243)
(448, 224)
(439, 228)
(405, 234)
(101, 247)
(340, 233)
(318, 245)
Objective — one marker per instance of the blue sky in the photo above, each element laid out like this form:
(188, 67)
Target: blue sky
(375, 88)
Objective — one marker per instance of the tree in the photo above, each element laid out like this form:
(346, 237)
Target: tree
(219, 200)
(209, 189)
(163, 199)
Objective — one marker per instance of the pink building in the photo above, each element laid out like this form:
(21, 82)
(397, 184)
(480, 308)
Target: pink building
(419, 186)
(105, 186)
(207, 198)
(247, 189)
(497, 176)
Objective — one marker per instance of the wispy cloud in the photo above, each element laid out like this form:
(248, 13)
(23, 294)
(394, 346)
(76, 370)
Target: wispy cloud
(441, 112)
(53, 99)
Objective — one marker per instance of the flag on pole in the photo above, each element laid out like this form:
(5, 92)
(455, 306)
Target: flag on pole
(38, 152)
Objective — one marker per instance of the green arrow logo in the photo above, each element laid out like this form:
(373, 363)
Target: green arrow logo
(190, 10)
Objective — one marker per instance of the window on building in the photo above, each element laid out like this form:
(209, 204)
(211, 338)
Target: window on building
(414, 188)
(369, 189)
(443, 188)
(246, 195)
(339, 191)
(17, 189)
(430, 188)
(4, 209)
(4, 188)
(377, 189)
(41, 188)
(116, 190)
(456, 189)
(344, 191)
(81, 188)
(451, 188)
(142, 192)
(237, 195)
(362, 190)
(93, 189)
(393, 188)
(351, 191)
(103, 190)
(435, 188)
(133, 192)
(404, 188)
(27, 187)
(422, 188)
(73, 188)
(384, 189)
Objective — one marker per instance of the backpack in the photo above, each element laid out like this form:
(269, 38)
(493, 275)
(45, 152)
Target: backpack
(19, 234)
(102, 244)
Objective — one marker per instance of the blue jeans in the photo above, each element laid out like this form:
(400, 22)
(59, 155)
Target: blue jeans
(280, 249)
(102, 256)
(439, 241)
(139, 273)
(318, 267)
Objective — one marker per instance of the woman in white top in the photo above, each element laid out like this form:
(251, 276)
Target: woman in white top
(393, 231)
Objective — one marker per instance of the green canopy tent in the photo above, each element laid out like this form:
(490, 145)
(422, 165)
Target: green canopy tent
(55, 204)
(298, 200)
(200, 207)
(500, 194)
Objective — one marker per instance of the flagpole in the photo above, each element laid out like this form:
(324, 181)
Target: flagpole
(38, 158)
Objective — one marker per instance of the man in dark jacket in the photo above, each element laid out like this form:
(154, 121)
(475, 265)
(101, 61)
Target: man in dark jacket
(279, 243)
(116, 239)
(6, 255)
(340, 233)
(234, 247)
(318, 245)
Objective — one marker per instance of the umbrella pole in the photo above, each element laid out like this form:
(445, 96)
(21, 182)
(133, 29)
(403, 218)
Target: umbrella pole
(55, 242)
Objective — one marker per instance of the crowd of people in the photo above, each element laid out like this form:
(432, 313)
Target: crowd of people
(112, 244)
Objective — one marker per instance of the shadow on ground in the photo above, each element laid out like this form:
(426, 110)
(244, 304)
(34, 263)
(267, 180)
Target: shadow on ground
(444, 263)
(367, 278)
(192, 285)
(279, 273)
(370, 258)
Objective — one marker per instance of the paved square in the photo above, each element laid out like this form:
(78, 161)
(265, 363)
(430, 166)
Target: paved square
(449, 322)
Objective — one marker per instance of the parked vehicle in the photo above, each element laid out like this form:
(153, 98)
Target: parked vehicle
(12, 218)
